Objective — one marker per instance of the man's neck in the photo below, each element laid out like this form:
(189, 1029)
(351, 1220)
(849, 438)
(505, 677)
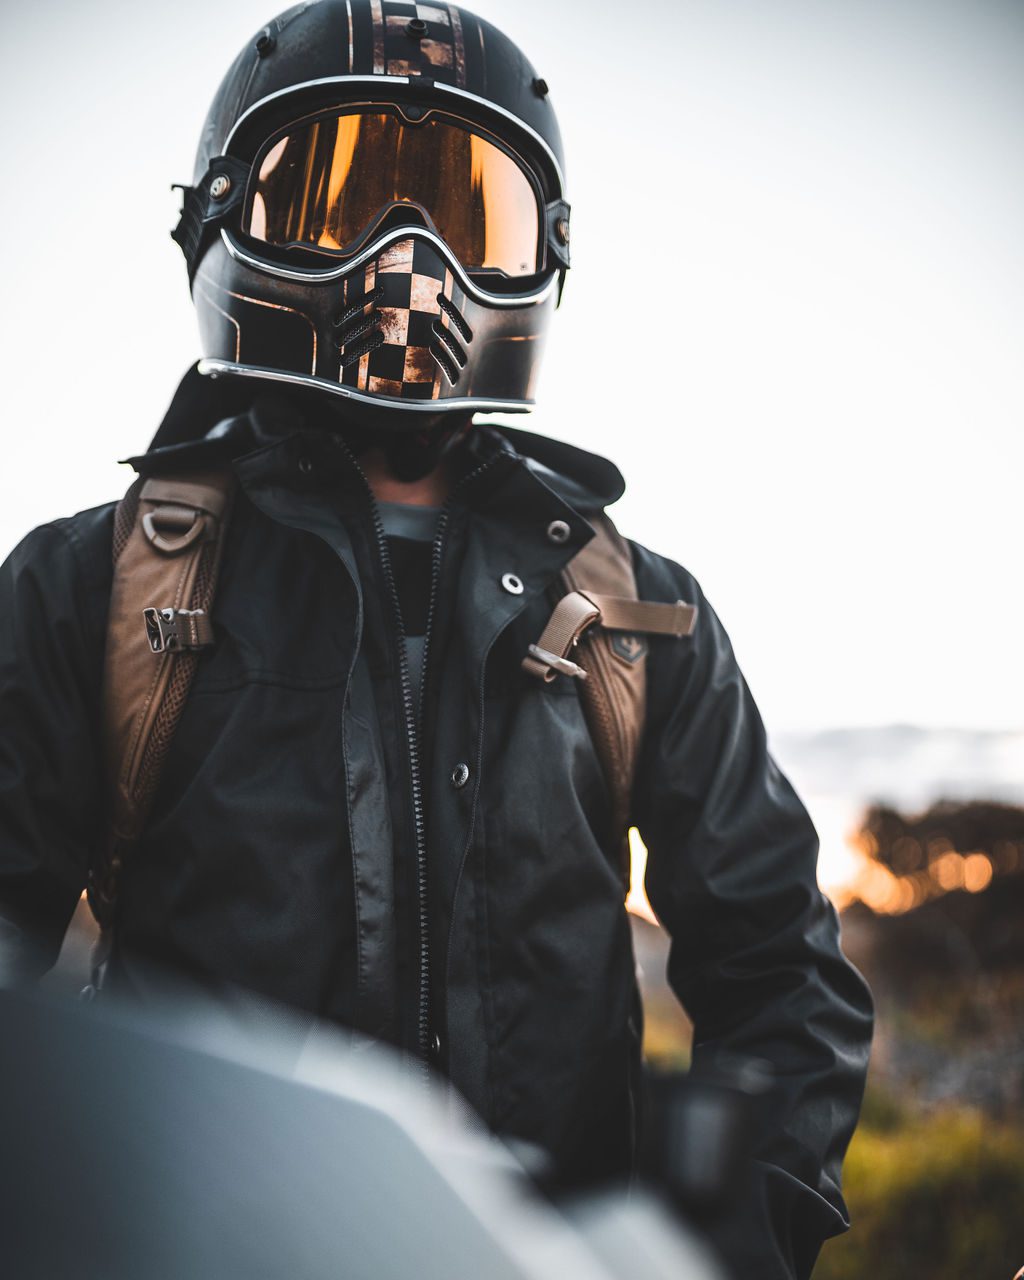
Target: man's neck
(430, 491)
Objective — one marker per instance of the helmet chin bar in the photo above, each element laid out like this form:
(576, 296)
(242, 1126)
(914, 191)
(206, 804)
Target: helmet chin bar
(399, 332)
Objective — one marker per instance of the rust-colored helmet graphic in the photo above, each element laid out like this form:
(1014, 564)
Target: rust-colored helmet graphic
(379, 211)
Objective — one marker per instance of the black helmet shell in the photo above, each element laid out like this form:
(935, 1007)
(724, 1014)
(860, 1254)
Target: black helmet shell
(330, 39)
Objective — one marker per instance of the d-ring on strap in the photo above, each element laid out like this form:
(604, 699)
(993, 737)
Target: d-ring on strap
(190, 507)
(191, 523)
(578, 610)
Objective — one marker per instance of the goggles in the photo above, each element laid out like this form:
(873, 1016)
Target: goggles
(330, 182)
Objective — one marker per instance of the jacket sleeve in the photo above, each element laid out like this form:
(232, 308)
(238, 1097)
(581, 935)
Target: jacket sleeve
(755, 957)
(53, 601)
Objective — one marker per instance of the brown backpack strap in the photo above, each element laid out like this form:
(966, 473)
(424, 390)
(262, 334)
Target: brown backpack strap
(168, 540)
(600, 620)
(579, 610)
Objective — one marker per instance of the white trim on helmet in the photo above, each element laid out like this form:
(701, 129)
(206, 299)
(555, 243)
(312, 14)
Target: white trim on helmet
(324, 275)
(213, 367)
(408, 80)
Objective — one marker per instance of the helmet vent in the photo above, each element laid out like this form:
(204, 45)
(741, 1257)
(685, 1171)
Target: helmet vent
(358, 331)
(444, 360)
(355, 309)
(358, 327)
(449, 344)
(446, 348)
(350, 354)
(455, 316)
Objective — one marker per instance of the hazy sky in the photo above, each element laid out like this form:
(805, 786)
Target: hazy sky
(795, 318)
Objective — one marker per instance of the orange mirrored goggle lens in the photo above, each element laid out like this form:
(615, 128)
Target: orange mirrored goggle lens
(326, 182)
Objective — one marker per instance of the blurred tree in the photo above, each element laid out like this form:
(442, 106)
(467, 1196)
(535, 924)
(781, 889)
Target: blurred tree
(910, 844)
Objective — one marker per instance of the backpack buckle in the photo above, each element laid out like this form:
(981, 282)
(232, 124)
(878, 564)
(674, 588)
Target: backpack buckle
(169, 630)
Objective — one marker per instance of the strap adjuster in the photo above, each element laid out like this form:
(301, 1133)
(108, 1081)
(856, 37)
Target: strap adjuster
(579, 610)
(562, 665)
(174, 630)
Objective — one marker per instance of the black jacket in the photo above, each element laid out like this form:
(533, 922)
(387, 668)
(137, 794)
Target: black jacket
(281, 855)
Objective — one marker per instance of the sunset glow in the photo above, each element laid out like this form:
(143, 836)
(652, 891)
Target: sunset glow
(636, 900)
(849, 872)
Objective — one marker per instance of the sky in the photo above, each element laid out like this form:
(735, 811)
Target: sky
(794, 320)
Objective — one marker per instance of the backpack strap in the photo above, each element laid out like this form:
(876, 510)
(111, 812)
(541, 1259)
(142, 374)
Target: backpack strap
(167, 547)
(602, 621)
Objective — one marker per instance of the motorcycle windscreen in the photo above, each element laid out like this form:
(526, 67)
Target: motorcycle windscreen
(328, 182)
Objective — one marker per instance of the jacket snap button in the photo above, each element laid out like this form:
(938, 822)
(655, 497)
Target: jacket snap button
(512, 584)
(460, 776)
(305, 466)
(558, 531)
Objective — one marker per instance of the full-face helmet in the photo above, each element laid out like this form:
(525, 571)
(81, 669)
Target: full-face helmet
(379, 211)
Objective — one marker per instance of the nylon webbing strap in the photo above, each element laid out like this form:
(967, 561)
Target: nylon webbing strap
(647, 616)
(548, 657)
(578, 610)
(168, 539)
(193, 494)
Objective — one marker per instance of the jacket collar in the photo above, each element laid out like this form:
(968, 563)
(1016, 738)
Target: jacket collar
(211, 422)
(585, 480)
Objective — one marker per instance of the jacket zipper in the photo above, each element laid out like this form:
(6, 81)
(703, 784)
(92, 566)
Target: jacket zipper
(414, 710)
(412, 728)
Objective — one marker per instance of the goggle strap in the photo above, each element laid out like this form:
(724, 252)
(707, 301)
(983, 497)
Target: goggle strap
(202, 213)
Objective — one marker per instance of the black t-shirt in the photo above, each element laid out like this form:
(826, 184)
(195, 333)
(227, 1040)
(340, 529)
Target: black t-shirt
(410, 534)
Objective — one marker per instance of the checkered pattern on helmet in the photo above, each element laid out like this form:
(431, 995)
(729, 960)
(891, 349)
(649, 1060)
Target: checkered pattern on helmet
(403, 286)
(440, 54)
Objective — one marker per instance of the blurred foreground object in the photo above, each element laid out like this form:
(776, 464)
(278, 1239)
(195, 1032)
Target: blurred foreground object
(188, 1144)
(700, 1132)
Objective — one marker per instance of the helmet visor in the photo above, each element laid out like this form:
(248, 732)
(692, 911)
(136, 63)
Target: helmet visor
(327, 183)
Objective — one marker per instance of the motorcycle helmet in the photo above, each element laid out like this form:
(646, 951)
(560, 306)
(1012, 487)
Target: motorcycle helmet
(378, 212)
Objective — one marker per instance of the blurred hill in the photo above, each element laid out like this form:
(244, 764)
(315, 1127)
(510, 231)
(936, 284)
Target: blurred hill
(904, 765)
